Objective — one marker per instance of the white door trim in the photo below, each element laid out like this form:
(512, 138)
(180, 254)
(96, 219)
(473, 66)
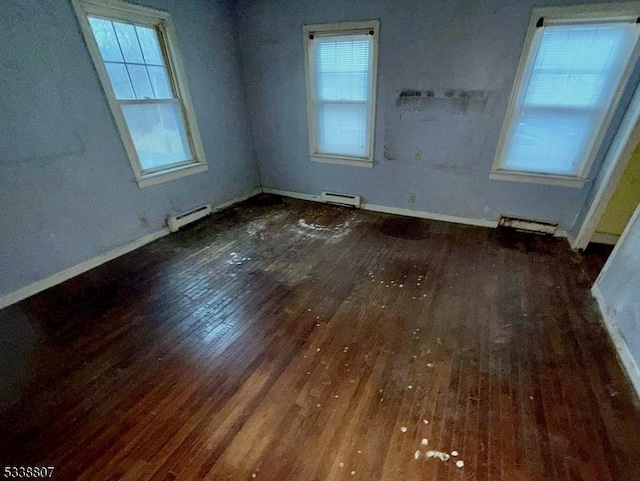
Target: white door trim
(622, 147)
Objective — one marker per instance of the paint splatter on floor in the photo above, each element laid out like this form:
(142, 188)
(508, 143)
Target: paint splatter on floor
(438, 454)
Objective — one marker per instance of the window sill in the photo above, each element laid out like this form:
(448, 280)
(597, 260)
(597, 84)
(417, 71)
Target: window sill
(548, 179)
(171, 174)
(336, 159)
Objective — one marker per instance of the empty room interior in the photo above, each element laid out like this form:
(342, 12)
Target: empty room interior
(320, 240)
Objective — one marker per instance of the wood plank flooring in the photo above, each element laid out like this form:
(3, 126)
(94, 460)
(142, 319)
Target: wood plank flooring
(285, 340)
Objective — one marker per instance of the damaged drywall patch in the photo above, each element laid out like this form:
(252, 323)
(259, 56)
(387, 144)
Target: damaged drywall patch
(442, 129)
(449, 101)
(411, 93)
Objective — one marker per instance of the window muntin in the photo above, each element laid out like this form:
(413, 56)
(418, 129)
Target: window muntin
(133, 58)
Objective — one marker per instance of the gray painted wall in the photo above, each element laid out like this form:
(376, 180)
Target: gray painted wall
(619, 287)
(464, 45)
(67, 192)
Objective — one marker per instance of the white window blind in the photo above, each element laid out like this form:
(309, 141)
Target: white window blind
(341, 93)
(573, 72)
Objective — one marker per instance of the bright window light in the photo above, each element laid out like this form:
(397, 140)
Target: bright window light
(138, 75)
(341, 93)
(572, 74)
(135, 53)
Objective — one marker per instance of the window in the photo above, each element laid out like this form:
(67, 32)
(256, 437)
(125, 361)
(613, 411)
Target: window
(340, 63)
(134, 52)
(573, 70)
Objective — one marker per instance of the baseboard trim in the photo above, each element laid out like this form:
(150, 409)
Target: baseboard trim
(629, 365)
(82, 267)
(605, 238)
(293, 195)
(394, 210)
(430, 215)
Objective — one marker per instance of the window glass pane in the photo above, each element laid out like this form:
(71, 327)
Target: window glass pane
(342, 68)
(158, 133)
(106, 39)
(150, 46)
(128, 42)
(342, 129)
(342, 74)
(563, 103)
(575, 65)
(160, 82)
(141, 73)
(120, 81)
(140, 81)
(549, 142)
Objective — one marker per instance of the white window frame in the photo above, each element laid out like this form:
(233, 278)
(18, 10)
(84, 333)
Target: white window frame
(337, 29)
(578, 14)
(160, 21)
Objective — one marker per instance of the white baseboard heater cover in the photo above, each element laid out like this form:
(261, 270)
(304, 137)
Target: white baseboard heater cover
(341, 199)
(528, 225)
(180, 220)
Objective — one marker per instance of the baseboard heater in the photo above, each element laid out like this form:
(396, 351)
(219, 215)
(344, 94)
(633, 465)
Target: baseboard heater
(528, 225)
(180, 220)
(341, 199)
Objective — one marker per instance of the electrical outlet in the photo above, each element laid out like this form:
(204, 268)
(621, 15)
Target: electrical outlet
(417, 155)
(412, 198)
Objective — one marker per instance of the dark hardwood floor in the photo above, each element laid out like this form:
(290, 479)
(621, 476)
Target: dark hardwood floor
(284, 340)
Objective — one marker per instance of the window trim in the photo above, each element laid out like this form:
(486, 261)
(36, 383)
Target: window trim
(342, 28)
(578, 14)
(161, 21)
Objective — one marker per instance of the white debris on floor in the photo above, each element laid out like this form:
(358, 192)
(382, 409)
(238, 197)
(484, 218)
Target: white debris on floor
(437, 454)
(403, 429)
(433, 454)
(333, 234)
(237, 259)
